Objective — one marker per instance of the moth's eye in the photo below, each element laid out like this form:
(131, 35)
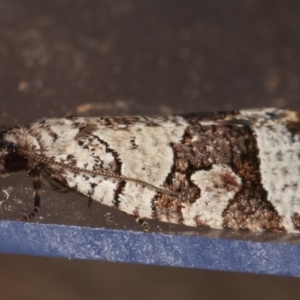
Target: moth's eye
(15, 162)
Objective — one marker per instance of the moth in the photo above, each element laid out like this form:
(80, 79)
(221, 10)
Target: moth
(237, 169)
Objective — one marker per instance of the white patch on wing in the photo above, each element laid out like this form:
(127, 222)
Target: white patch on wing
(104, 191)
(150, 160)
(279, 167)
(64, 130)
(216, 191)
(137, 198)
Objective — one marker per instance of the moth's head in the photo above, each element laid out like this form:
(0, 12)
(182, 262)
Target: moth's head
(11, 160)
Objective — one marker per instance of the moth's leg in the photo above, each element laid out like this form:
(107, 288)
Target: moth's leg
(37, 185)
(90, 201)
(144, 224)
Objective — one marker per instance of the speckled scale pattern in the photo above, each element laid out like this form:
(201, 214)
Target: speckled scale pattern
(236, 169)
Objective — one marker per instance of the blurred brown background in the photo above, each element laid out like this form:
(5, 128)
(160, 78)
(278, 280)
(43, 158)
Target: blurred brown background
(105, 57)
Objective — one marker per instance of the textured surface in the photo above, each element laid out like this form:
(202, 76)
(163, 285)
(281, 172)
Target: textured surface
(157, 249)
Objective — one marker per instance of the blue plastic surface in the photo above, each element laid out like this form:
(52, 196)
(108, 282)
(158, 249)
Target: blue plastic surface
(149, 248)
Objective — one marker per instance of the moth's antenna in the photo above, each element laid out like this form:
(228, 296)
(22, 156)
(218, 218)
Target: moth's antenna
(49, 161)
